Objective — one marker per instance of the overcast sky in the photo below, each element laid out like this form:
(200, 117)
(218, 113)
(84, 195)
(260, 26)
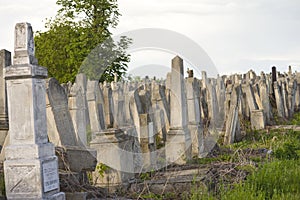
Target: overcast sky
(237, 35)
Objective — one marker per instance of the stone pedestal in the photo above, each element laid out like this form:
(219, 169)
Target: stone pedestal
(178, 146)
(112, 151)
(31, 169)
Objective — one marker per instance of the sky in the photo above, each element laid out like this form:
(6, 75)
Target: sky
(236, 35)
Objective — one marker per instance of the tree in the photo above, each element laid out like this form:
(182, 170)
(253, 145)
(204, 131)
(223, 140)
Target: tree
(77, 36)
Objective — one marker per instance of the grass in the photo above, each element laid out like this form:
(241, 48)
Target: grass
(275, 178)
(273, 175)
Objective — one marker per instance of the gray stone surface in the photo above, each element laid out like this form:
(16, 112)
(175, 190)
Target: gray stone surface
(60, 126)
(178, 137)
(31, 170)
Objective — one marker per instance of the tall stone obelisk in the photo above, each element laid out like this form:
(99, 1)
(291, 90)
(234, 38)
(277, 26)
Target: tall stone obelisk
(30, 168)
(178, 144)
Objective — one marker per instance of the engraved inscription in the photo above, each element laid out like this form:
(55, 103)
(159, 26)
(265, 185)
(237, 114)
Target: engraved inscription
(50, 176)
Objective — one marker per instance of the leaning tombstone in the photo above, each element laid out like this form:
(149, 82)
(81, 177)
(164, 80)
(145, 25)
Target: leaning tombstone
(62, 133)
(30, 168)
(5, 60)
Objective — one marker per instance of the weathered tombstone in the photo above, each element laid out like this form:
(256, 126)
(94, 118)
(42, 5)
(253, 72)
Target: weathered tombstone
(144, 140)
(108, 105)
(81, 82)
(178, 145)
(60, 126)
(273, 79)
(279, 100)
(193, 103)
(126, 104)
(221, 90)
(264, 96)
(213, 107)
(77, 112)
(61, 130)
(118, 105)
(5, 60)
(95, 106)
(30, 168)
(159, 104)
(285, 99)
(168, 88)
(292, 89)
(204, 79)
(297, 92)
(257, 119)
(232, 132)
(251, 101)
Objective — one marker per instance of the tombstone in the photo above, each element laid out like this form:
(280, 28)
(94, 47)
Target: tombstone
(159, 104)
(144, 140)
(81, 82)
(285, 99)
(168, 88)
(251, 101)
(213, 107)
(279, 100)
(118, 105)
(77, 112)
(108, 105)
(178, 145)
(61, 130)
(204, 79)
(257, 119)
(60, 126)
(221, 90)
(135, 107)
(30, 168)
(5, 61)
(297, 92)
(292, 89)
(232, 132)
(126, 104)
(95, 106)
(264, 97)
(194, 116)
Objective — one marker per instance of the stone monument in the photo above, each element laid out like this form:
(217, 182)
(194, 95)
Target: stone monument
(30, 168)
(178, 145)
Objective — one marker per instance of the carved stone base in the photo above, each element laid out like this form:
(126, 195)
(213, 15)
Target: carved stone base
(32, 179)
(111, 146)
(178, 146)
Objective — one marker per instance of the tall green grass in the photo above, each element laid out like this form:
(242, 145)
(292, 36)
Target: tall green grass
(276, 180)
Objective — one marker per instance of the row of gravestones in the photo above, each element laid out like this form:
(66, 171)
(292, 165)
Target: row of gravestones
(135, 127)
(153, 123)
